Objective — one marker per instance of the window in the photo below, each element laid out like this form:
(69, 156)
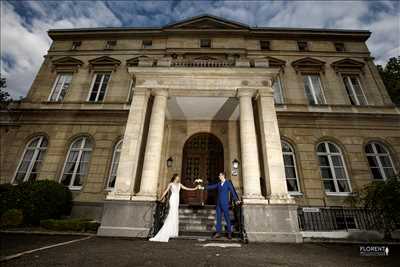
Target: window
(339, 47)
(303, 46)
(31, 161)
(379, 160)
(205, 43)
(333, 169)
(60, 87)
(147, 43)
(99, 86)
(313, 89)
(75, 45)
(354, 90)
(278, 92)
(114, 165)
(289, 159)
(77, 163)
(110, 44)
(265, 45)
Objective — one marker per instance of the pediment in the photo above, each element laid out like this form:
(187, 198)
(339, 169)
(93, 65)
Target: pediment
(207, 22)
(105, 60)
(67, 61)
(66, 64)
(275, 62)
(140, 60)
(347, 63)
(308, 64)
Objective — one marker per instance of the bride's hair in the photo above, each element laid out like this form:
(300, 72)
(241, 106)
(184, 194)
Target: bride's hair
(174, 177)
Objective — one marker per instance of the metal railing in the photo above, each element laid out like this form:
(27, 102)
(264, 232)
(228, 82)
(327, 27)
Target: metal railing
(338, 218)
(239, 222)
(160, 213)
(202, 63)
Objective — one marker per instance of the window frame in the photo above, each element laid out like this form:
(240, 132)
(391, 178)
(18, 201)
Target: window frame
(332, 169)
(110, 44)
(293, 155)
(100, 85)
(266, 48)
(115, 150)
(377, 155)
(338, 44)
(308, 75)
(205, 39)
(35, 155)
(306, 47)
(59, 75)
(78, 159)
(279, 81)
(347, 76)
(147, 46)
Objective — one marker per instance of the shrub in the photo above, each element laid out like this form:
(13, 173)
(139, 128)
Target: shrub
(79, 225)
(38, 200)
(12, 217)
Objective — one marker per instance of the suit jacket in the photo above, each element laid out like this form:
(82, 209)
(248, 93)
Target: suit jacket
(223, 192)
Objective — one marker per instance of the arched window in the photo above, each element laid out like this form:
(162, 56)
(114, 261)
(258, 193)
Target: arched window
(333, 169)
(77, 163)
(114, 165)
(289, 159)
(379, 161)
(31, 161)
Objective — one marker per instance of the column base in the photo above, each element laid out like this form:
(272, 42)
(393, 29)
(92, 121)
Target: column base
(280, 199)
(271, 223)
(118, 196)
(126, 218)
(144, 198)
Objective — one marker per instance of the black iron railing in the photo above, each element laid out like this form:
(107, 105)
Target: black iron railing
(239, 222)
(338, 218)
(160, 213)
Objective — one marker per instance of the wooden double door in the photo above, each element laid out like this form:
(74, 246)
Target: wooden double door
(203, 158)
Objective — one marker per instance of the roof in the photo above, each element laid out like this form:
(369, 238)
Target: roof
(209, 24)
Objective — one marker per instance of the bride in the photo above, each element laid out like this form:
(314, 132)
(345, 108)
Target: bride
(171, 223)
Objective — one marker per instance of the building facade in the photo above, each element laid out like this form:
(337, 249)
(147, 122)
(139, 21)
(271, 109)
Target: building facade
(295, 117)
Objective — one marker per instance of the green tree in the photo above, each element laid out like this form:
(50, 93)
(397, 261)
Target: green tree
(391, 78)
(4, 96)
(383, 197)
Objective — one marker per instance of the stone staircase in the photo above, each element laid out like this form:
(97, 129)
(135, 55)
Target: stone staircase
(199, 222)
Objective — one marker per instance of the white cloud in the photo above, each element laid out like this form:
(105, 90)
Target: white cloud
(25, 42)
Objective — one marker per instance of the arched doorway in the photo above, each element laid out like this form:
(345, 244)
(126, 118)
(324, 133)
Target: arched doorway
(203, 158)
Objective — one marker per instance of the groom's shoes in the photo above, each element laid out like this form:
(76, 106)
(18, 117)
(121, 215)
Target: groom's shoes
(217, 235)
(229, 236)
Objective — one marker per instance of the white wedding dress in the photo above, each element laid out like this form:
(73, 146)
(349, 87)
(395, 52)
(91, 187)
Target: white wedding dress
(171, 223)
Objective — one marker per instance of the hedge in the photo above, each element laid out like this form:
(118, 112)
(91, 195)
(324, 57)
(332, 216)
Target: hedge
(80, 225)
(38, 200)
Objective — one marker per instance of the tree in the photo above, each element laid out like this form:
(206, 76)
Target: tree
(383, 197)
(4, 96)
(391, 78)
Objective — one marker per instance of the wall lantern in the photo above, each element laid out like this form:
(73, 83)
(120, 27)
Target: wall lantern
(235, 167)
(169, 162)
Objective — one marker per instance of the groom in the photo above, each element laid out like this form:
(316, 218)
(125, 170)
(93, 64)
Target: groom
(224, 187)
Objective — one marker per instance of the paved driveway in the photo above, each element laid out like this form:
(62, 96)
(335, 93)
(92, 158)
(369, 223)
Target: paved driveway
(114, 252)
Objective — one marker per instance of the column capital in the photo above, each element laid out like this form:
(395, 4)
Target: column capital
(266, 91)
(160, 92)
(243, 92)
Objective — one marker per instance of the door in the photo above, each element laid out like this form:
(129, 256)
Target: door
(203, 158)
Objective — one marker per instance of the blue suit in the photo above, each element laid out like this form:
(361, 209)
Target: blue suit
(223, 202)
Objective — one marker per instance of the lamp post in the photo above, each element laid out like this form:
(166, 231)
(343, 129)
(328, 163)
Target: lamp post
(235, 167)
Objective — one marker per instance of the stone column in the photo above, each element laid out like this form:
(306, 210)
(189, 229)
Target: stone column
(152, 157)
(272, 151)
(127, 166)
(248, 141)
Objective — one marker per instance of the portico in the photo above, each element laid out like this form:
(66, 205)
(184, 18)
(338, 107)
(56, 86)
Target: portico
(146, 138)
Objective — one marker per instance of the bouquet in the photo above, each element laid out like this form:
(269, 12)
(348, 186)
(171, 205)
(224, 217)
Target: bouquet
(199, 183)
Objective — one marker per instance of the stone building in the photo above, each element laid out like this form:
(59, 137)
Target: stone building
(296, 117)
